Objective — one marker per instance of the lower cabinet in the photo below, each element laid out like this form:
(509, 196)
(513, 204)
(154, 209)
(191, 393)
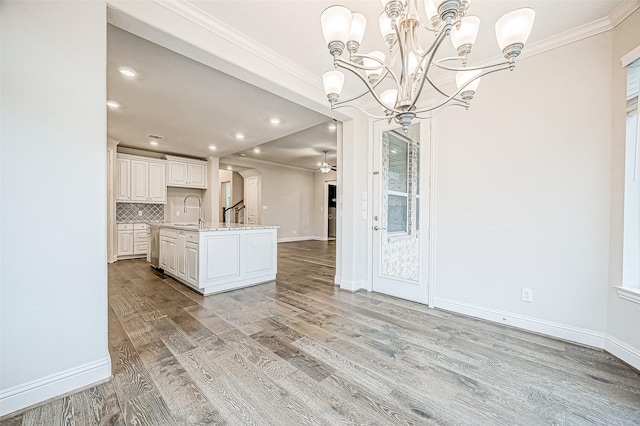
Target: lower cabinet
(179, 254)
(132, 240)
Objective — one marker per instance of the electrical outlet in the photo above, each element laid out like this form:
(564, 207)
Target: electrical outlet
(527, 294)
(139, 212)
(295, 232)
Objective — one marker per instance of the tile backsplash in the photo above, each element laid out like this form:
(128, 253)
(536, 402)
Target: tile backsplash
(128, 212)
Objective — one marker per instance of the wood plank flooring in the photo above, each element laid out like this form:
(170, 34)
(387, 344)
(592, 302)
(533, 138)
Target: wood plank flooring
(298, 351)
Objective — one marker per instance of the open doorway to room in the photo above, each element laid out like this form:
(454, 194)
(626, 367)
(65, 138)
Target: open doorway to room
(332, 214)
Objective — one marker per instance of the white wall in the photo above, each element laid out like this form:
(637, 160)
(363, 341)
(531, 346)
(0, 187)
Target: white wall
(288, 195)
(53, 294)
(174, 209)
(522, 194)
(623, 315)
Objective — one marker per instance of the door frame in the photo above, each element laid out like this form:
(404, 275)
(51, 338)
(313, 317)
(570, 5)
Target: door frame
(427, 182)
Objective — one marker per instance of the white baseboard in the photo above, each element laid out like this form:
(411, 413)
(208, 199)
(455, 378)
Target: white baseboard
(554, 329)
(36, 391)
(627, 353)
(353, 286)
(292, 239)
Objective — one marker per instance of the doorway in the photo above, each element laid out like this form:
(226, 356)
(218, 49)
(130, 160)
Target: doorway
(400, 232)
(332, 216)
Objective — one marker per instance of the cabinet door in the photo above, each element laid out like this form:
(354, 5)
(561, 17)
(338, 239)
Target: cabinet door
(125, 243)
(177, 173)
(180, 261)
(191, 263)
(123, 185)
(164, 254)
(157, 183)
(139, 180)
(171, 256)
(197, 175)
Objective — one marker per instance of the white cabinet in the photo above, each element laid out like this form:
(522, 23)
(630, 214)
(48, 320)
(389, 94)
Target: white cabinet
(140, 238)
(141, 180)
(168, 251)
(187, 257)
(125, 239)
(132, 240)
(122, 176)
(185, 172)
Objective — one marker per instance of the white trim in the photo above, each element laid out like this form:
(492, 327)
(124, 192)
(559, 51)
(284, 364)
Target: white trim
(630, 57)
(36, 391)
(353, 286)
(537, 325)
(623, 351)
(221, 29)
(292, 239)
(243, 161)
(629, 293)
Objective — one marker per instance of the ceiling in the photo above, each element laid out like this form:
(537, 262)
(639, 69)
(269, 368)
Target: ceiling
(194, 106)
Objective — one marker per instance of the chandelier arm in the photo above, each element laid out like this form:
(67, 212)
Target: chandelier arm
(401, 49)
(435, 46)
(347, 66)
(422, 20)
(452, 97)
(438, 89)
(362, 110)
(448, 68)
(433, 114)
(352, 65)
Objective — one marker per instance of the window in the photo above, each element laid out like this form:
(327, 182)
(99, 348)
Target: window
(398, 189)
(630, 288)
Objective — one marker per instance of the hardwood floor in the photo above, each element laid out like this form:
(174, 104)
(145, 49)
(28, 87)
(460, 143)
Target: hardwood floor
(299, 351)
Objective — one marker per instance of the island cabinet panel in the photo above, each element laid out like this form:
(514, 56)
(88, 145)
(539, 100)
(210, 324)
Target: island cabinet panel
(218, 259)
(259, 254)
(221, 256)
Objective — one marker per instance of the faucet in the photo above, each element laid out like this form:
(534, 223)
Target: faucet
(200, 218)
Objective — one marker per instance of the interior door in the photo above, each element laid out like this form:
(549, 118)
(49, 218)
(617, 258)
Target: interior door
(399, 230)
(252, 199)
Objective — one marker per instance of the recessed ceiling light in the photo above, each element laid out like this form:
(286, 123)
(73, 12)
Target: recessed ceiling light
(256, 150)
(113, 104)
(331, 126)
(242, 154)
(153, 143)
(127, 72)
(213, 147)
(319, 164)
(239, 136)
(274, 121)
(229, 168)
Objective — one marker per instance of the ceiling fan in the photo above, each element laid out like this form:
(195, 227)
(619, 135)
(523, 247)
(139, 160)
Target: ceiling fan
(326, 167)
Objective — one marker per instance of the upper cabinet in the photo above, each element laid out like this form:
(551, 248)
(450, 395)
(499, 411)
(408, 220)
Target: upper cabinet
(187, 173)
(140, 180)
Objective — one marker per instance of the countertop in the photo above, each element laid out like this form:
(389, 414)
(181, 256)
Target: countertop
(212, 227)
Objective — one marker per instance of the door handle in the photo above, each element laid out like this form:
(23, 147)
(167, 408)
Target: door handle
(377, 228)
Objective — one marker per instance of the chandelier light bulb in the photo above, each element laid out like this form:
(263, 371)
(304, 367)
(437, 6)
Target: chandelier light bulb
(432, 13)
(336, 24)
(358, 26)
(333, 82)
(464, 77)
(389, 97)
(372, 63)
(514, 28)
(468, 32)
(385, 25)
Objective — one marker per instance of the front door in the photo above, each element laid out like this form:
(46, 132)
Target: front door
(399, 230)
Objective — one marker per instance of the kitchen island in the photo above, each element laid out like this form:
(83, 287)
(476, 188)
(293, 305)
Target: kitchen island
(212, 259)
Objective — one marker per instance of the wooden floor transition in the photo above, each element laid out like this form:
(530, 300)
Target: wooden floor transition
(299, 351)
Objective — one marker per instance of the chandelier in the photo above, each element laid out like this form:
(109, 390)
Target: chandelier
(408, 67)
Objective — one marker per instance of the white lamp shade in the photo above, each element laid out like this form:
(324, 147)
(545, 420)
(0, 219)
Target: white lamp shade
(333, 82)
(385, 25)
(358, 25)
(372, 63)
(389, 97)
(325, 167)
(336, 23)
(467, 33)
(515, 27)
(464, 77)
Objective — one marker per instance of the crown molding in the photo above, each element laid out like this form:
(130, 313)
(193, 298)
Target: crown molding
(249, 162)
(196, 15)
